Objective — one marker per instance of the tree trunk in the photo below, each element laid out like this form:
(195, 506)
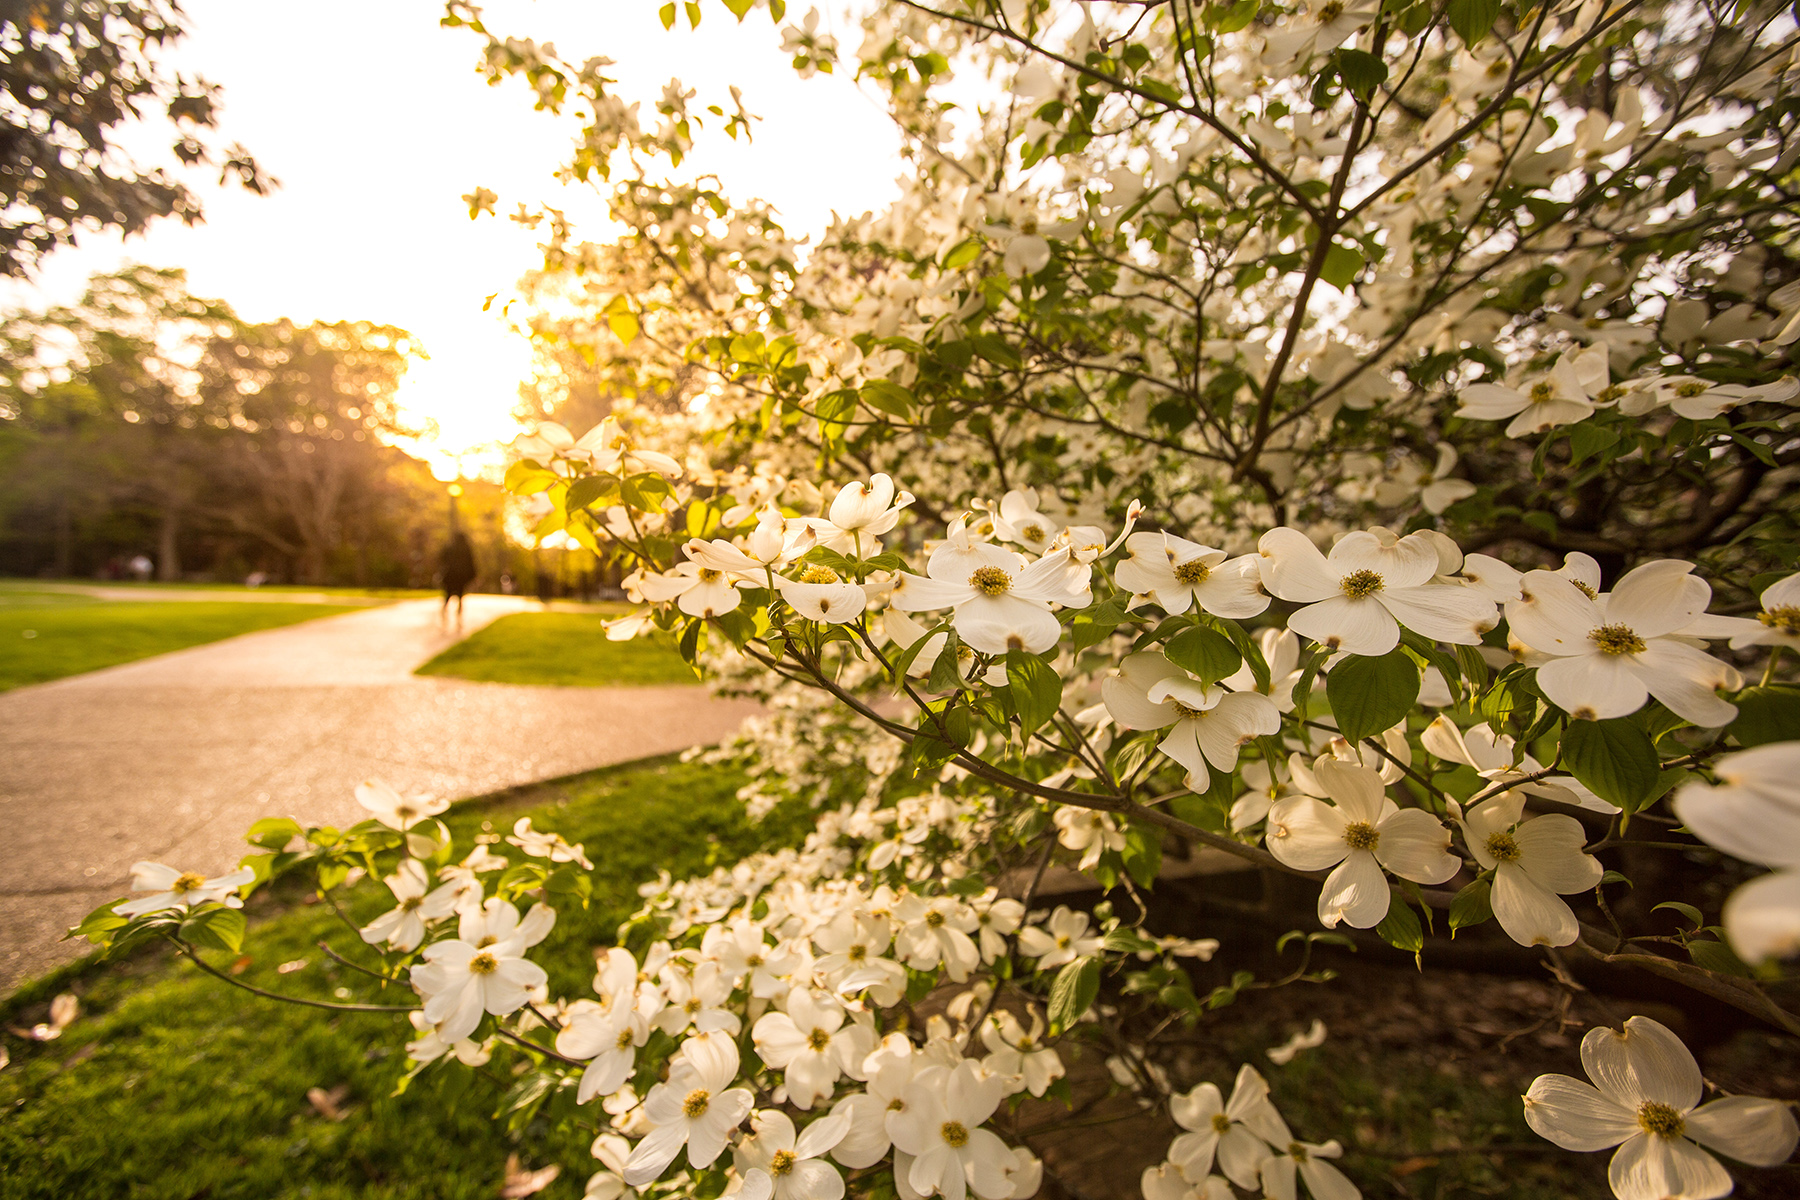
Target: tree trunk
(168, 550)
(64, 563)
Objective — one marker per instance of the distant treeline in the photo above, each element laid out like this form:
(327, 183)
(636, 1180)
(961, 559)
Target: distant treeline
(145, 421)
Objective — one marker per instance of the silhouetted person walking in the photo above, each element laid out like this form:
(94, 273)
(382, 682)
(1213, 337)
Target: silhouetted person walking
(457, 566)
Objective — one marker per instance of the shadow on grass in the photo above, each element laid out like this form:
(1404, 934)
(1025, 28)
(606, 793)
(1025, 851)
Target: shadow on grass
(563, 649)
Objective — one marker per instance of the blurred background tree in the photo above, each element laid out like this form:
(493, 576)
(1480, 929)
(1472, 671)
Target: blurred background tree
(144, 419)
(74, 74)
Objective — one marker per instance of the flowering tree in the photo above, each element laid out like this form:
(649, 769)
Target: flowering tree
(1357, 440)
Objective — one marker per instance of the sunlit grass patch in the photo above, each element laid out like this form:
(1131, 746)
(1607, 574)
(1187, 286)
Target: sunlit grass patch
(48, 635)
(569, 649)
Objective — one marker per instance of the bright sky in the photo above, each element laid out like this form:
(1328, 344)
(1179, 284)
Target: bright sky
(376, 122)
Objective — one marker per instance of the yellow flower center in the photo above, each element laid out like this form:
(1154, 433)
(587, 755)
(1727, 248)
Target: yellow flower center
(1542, 393)
(1585, 590)
(696, 1102)
(708, 575)
(990, 581)
(755, 960)
(1221, 1124)
(1192, 574)
(955, 1136)
(1660, 1120)
(406, 812)
(1297, 1152)
(1032, 533)
(1692, 388)
(818, 1039)
(782, 1162)
(814, 573)
(896, 1105)
(1360, 584)
(1360, 835)
(1609, 394)
(1502, 848)
(1785, 617)
(934, 918)
(1617, 639)
(186, 882)
(1188, 714)
(1332, 10)
(1062, 942)
(624, 1040)
(411, 903)
(692, 1005)
(483, 964)
(1026, 1045)
(858, 952)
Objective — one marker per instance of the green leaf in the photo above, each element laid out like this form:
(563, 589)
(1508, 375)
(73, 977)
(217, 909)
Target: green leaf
(1229, 18)
(590, 490)
(1094, 625)
(1036, 689)
(904, 660)
(99, 926)
(1362, 73)
(1615, 758)
(1587, 439)
(1471, 906)
(946, 671)
(1766, 714)
(1371, 695)
(1204, 652)
(963, 253)
(1143, 854)
(217, 928)
(1717, 956)
(1073, 993)
(1341, 266)
(1127, 941)
(889, 397)
(666, 14)
(1687, 910)
(1473, 19)
(273, 833)
(1400, 928)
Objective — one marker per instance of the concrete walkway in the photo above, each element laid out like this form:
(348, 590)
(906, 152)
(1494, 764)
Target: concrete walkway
(171, 758)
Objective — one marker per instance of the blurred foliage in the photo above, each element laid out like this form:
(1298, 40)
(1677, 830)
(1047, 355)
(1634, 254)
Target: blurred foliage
(74, 73)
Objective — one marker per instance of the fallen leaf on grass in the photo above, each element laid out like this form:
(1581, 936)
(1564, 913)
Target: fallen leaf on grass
(520, 1183)
(240, 964)
(330, 1103)
(1412, 1166)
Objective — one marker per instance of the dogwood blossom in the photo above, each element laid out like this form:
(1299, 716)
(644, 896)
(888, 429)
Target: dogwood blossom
(1018, 1056)
(1645, 1099)
(1359, 835)
(695, 1107)
(1535, 862)
(999, 600)
(1206, 724)
(812, 1044)
(1607, 657)
(941, 1128)
(1237, 1132)
(1064, 939)
(170, 888)
(482, 969)
(1754, 814)
(794, 1159)
(1358, 597)
(394, 810)
(1177, 574)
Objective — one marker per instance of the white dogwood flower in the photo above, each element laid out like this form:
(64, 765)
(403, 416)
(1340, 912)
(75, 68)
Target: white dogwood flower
(698, 591)
(1000, 602)
(812, 1044)
(170, 888)
(940, 1128)
(482, 969)
(889, 1069)
(1167, 1181)
(1491, 756)
(394, 810)
(860, 513)
(1177, 573)
(610, 1037)
(1205, 724)
(1018, 1056)
(794, 1159)
(1535, 863)
(1562, 397)
(1609, 654)
(1778, 624)
(1236, 1132)
(1089, 831)
(1358, 597)
(1360, 835)
(403, 927)
(696, 1107)
(1063, 939)
(1645, 1099)
(819, 594)
(1754, 814)
(1018, 520)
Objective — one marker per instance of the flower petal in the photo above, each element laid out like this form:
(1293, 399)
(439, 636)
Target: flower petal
(1747, 1128)
(1762, 918)
(1415, 845)
(1531, 914)
(1443, 612)
(1361, 626)
(1644, 1062)
(1593, 686)
(1655, 1168)
(1576, 1115)
(1306, 834)
(1356, 892)
(1652, 600)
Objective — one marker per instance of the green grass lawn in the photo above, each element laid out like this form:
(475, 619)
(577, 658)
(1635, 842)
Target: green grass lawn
(569, 649)
(46, 635)
(175, 1085)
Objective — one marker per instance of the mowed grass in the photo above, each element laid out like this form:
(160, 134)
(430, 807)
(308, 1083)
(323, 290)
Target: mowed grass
(176, 1085)
(49, 635)
(567, 649)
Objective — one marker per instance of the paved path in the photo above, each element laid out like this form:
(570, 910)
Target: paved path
(171, 758)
